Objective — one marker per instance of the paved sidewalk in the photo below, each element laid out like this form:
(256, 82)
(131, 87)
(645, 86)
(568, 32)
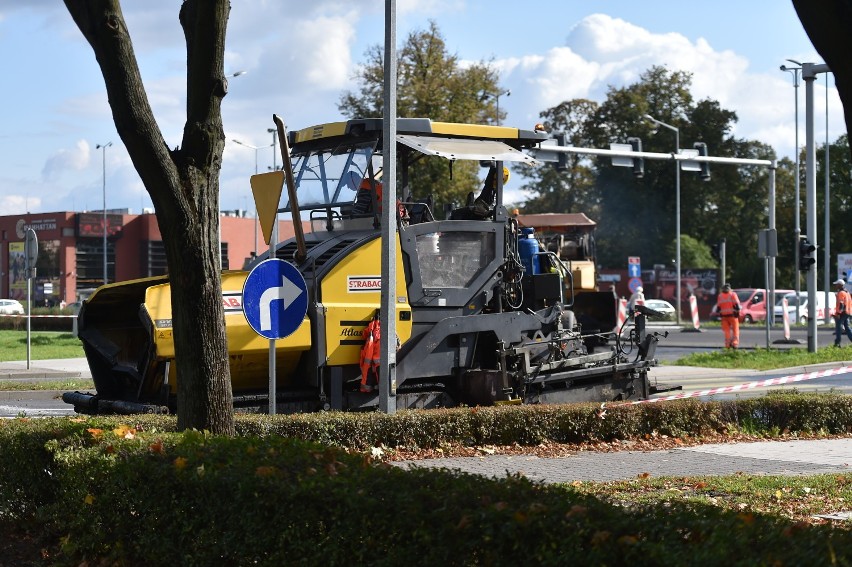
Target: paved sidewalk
(45, 369)
(760, 458)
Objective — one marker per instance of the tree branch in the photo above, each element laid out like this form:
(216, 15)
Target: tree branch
(102, 24)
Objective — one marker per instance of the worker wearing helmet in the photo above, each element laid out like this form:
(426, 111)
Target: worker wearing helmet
(637, 298)
(728, 305)
(485, 202)
(842, 310)
(364, 197)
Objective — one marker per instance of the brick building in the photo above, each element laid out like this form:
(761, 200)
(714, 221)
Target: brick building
(71, 251)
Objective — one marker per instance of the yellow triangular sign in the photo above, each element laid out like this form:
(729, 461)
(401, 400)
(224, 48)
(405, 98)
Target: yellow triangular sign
(266, 188)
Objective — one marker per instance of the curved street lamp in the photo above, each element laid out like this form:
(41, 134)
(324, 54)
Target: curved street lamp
(507, 92)
(797, 230)
(104, 147)
(677, 206)
(255, 148)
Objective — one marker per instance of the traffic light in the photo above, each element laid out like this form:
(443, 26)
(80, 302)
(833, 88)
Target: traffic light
(561, 158)
(705, 167)
(806, 254)
(716, 252)
(638, 163)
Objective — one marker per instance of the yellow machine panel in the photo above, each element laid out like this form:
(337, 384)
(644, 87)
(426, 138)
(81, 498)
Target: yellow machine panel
(248, 352)
(351, 296)
(584, 275)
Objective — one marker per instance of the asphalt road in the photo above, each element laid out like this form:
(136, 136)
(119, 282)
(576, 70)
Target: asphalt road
(674, 345)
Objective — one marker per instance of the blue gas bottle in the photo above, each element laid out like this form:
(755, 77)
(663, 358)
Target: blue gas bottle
(528, 250)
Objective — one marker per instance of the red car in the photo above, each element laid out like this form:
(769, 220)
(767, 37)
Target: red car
(752, 304)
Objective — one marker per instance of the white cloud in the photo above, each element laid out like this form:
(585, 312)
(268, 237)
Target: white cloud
(17, 204)
(603, 51)
(299, 59)
(65, 160)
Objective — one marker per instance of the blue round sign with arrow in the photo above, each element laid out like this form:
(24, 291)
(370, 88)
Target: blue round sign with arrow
(275, 298)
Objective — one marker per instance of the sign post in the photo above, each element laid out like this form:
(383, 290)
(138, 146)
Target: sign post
(275, 302)
(767, 248)
(266, 188)
(31, 255)
(634, 273)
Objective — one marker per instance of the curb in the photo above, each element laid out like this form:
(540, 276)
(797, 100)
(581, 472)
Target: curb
(31, 395)
(37, 374)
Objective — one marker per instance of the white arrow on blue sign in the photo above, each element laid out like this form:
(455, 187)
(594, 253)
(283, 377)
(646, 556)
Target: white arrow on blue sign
(275, 298)
(634, 270)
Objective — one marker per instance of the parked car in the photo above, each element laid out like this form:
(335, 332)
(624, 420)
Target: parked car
(11, 307)
(752, 304)
(664, 307)
(754, 310)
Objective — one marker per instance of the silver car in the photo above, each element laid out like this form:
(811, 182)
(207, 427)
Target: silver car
(662, 306)
(11, 307)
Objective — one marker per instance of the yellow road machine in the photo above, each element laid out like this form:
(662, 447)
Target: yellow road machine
(485, 313)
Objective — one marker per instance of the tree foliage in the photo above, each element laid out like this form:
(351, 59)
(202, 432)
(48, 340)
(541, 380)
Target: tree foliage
(555, 191)
(637, 217)
(432, 84)
(840, 203)
(184, 187)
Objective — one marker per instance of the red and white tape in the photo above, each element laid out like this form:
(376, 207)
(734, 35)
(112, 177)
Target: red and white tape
(752, 385)
(38, 316)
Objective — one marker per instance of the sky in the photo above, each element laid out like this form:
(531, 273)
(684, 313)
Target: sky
(296, 58)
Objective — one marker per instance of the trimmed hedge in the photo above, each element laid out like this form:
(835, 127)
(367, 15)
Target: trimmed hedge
(19, 323)
(131, 490)
(570, 423)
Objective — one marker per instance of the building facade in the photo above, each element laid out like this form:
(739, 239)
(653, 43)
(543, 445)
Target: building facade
(71, 254)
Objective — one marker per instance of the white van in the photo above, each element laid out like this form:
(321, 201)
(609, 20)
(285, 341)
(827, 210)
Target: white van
(803, 306)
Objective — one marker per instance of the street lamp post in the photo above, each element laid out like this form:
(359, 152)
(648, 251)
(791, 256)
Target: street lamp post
(797, 230)
(104, 147)
(507, 92)
(274, 133)
(255, 148)
(677, 208)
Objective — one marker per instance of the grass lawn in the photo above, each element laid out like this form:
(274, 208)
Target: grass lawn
(798, 498)
(766, 359)
(43, 345)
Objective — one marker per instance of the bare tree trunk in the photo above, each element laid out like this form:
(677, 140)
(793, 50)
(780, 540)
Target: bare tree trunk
(184, 187)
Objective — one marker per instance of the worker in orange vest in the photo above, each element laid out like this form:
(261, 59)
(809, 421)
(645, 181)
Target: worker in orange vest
(371, 355)
(842, 311)
(728, 305)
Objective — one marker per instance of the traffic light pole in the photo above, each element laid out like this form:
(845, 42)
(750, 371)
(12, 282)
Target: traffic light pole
(809, 73)
(552, 153)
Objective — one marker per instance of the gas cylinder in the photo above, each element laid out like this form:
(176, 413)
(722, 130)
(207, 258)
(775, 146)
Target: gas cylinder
(528, 249)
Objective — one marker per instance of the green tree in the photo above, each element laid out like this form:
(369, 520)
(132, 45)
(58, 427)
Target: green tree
(184, 186)
(432, 84)
(840, 204)
(638, 216)
(693, 253)
(569, 191)
(785, 197)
